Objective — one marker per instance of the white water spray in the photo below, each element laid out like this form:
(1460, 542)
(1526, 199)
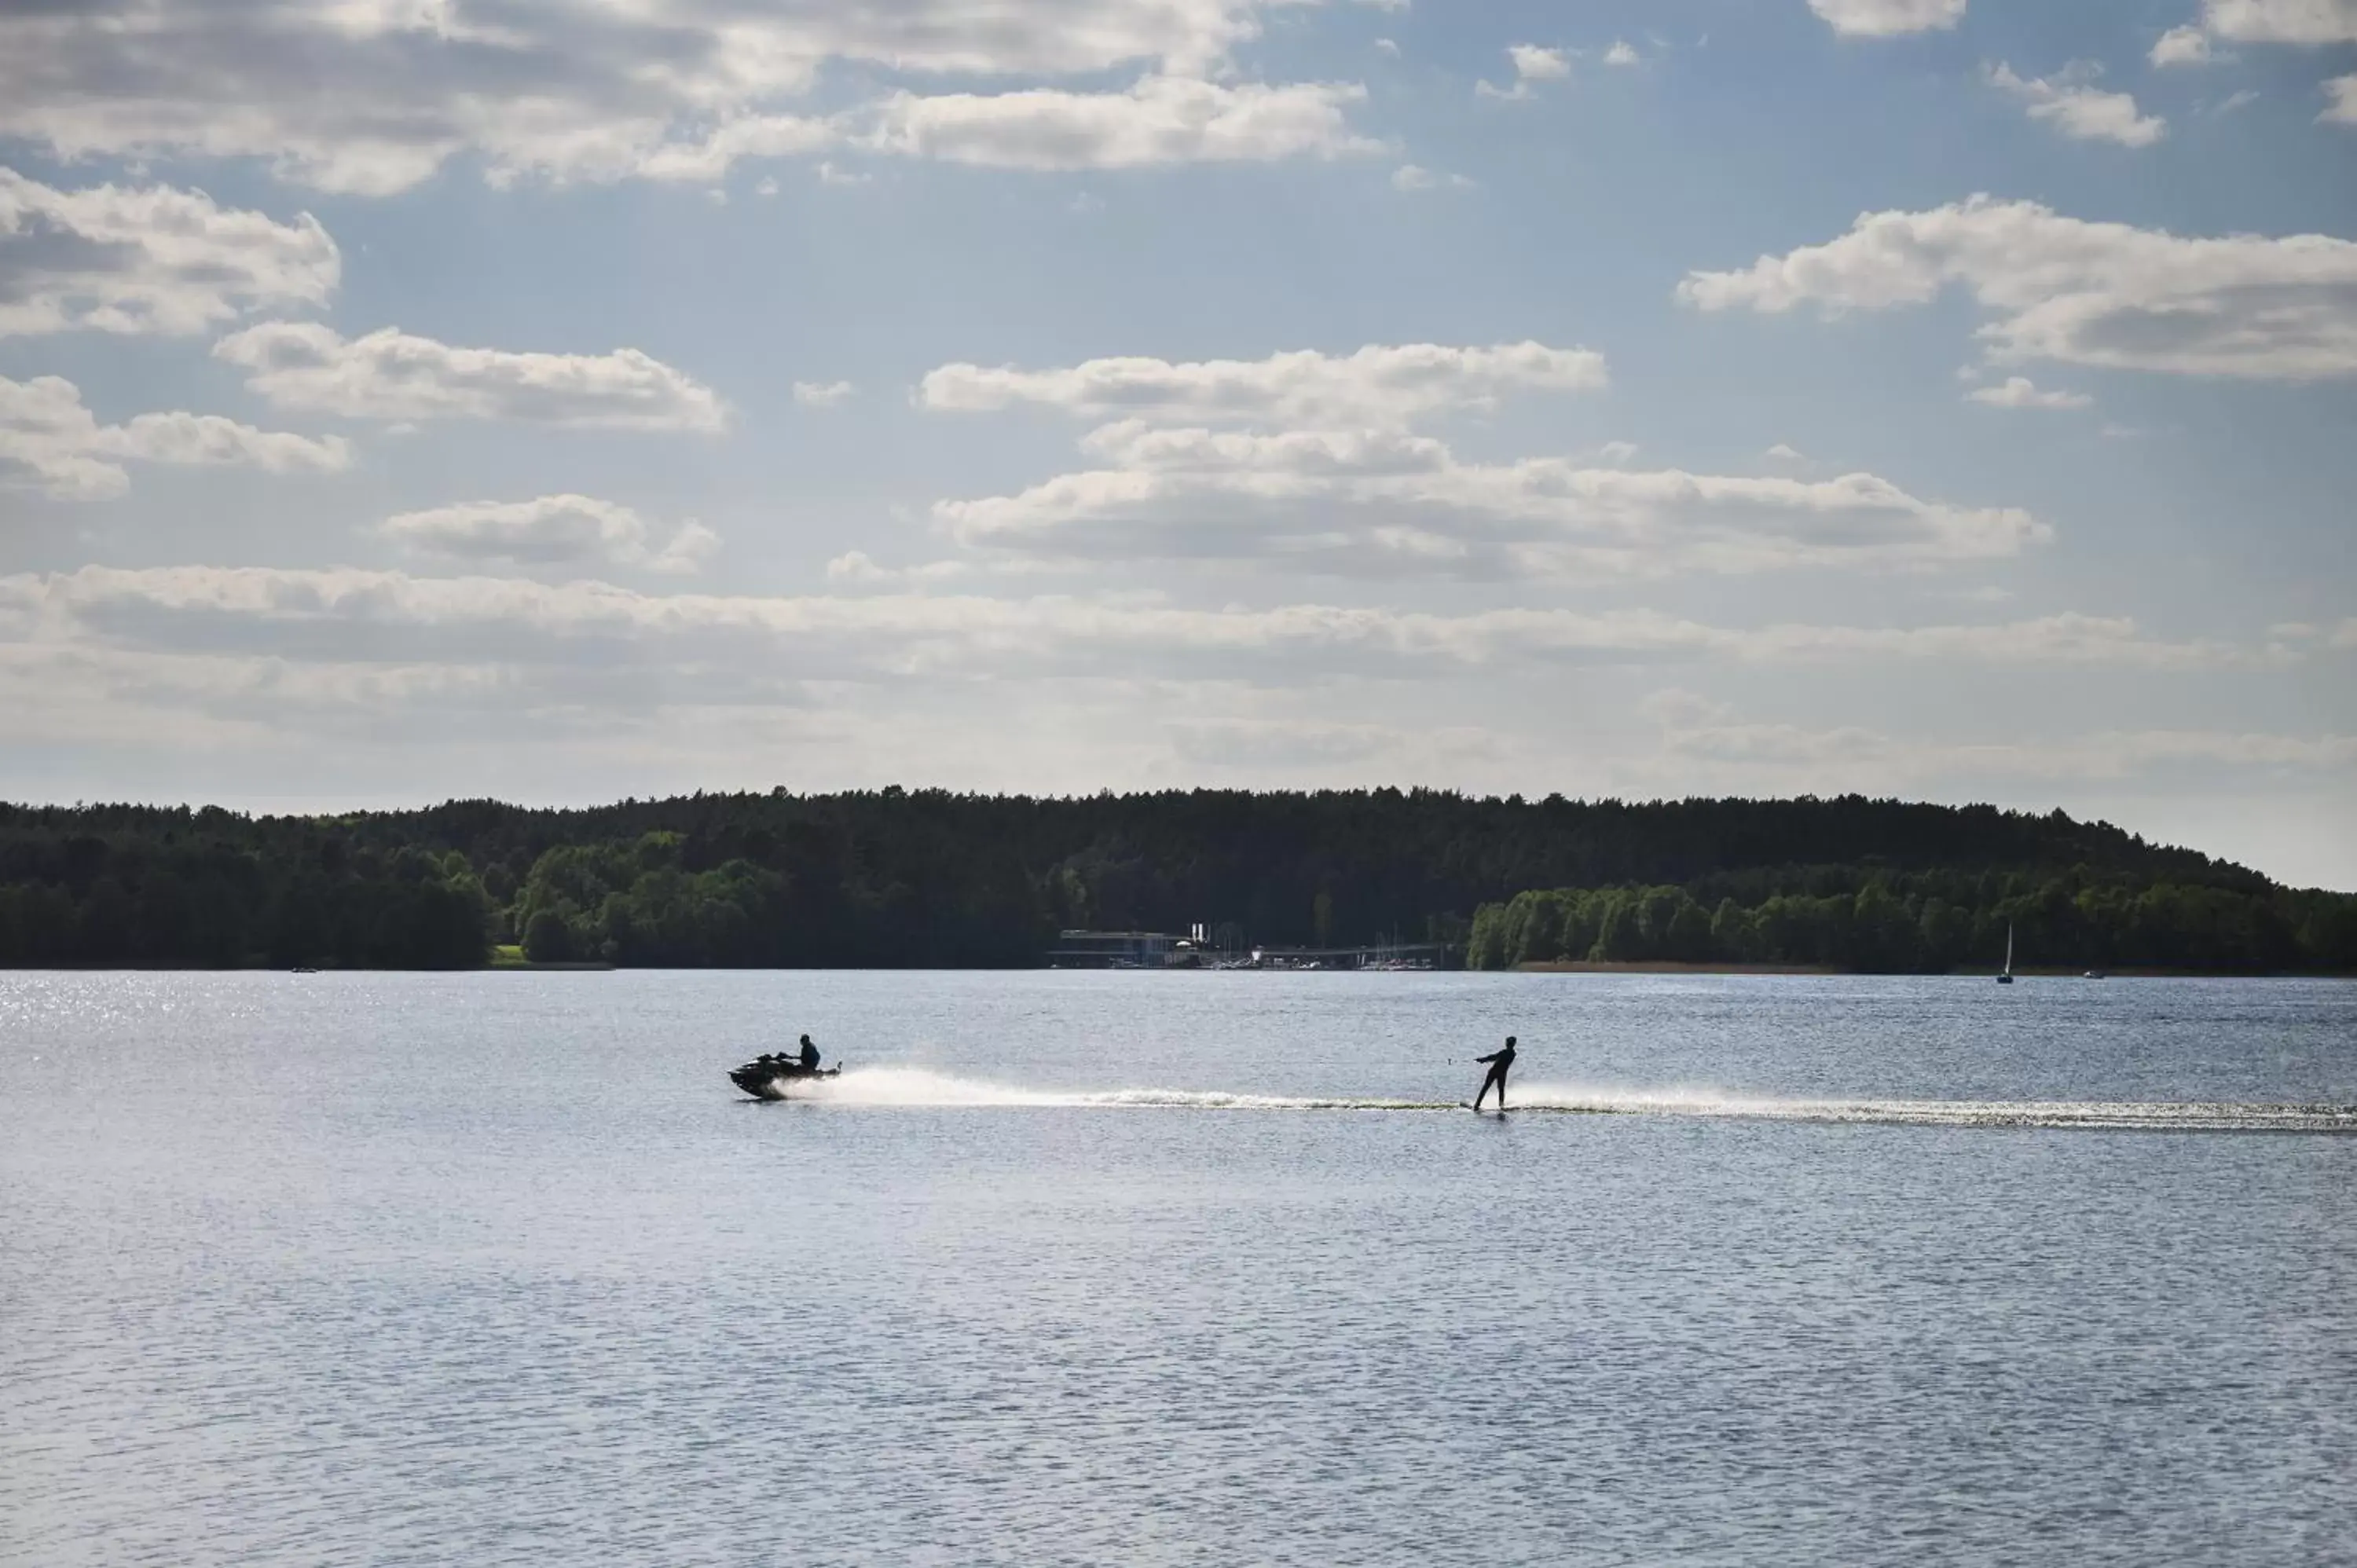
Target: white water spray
(917, 1088)
(921, 1089)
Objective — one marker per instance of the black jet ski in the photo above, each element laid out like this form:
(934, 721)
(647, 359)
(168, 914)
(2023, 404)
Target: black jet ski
(768, 1076)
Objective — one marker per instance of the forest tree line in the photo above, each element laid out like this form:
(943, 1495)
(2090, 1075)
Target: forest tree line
(1932, 922)
(894, 879)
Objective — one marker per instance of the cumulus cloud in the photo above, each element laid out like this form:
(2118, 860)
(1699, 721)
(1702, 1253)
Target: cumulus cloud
(1532, 64)
(1888, 18)
(1160, 120)
(49, 440)
(822, 394)
(1385, 386)
(1415, 176)
(2305, 23)
(567, 530)
(375, 96)
(2093, 294)
(2072, 104)
(1384, 503)
(2309, 23)
(392, 374)
(2342, 108)
(1622, 53)
(2020, 392)
(148, 258)
(1326, 476)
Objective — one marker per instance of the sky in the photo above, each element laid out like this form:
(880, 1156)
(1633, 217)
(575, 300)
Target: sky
(563, 400)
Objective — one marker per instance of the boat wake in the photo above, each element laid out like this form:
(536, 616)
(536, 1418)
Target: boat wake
(917, 1088)
(921, 1089)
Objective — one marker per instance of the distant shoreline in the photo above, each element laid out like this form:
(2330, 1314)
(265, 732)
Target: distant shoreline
(1656, 966)
(1667, 967)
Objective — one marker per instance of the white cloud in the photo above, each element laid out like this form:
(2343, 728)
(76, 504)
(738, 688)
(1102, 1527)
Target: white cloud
(822, 394)
(1414, 178)
(2181, 46)
(2311, 23)
(1387, 45)
(1887, 19)
(1620, 53)
(1386, 386)
(48, 438)
(2082, 293)
(696, 162)
(1842, 758)
(736, 645)
(1160, 120)
(2020, 392)
(1383, 504)
(566, 531)
(375, 96)
(856, 567)
(1256, 748)
(1329, 480)
(148, 260)
(2343, 109)
(2078, 110)
(391, 374)
(1532, 64)
(1784, 453)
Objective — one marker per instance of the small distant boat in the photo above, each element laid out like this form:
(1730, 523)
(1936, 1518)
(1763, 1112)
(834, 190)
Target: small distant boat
(769, 1077)
(2005, 975)
(2093, 975)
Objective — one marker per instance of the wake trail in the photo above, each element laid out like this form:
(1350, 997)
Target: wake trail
(917, 1088)
(921, 1089)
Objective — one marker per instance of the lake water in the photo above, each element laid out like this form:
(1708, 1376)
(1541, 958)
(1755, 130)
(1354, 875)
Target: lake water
(494, 1268)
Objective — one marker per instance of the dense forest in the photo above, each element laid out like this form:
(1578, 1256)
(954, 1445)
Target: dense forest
(1923, 922)
(895, 878)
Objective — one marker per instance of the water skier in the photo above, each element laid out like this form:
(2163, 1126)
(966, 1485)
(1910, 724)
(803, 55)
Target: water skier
(1498, 1062)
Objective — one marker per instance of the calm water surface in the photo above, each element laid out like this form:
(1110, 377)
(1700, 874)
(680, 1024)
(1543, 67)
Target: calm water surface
(1141, 1269)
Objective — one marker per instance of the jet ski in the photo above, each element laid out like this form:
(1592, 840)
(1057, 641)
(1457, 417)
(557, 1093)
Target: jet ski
(768, 1076)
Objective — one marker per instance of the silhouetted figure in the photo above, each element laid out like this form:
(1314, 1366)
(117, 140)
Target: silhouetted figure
(810, 1054)
(1498, 1062)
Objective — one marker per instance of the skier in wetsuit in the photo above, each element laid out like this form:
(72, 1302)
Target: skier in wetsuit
(1498, 1062)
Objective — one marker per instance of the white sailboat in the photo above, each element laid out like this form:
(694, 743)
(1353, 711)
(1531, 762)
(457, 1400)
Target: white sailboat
(2005, 975)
